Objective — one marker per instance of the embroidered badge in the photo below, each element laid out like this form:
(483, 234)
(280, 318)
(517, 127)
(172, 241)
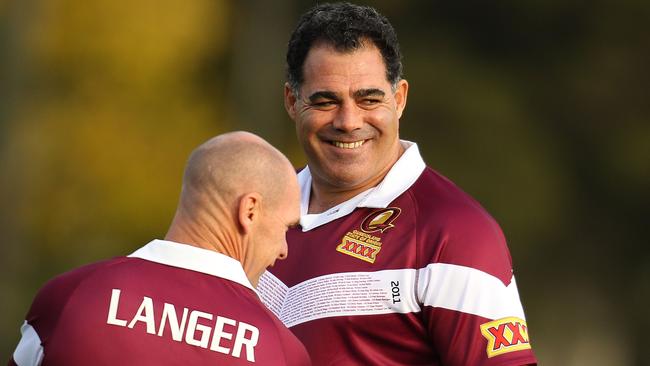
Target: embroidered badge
(381, 220)
(505, 335)
(360, 244)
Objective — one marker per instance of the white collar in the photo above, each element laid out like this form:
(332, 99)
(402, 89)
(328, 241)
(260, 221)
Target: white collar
(193, 258)
(400, 177)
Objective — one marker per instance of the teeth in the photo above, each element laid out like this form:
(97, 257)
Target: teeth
(348, 145)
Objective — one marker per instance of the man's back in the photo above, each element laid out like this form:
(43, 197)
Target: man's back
(167, 303)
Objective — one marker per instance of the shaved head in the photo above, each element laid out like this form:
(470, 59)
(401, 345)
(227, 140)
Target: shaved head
(232, 164)
(240, 195)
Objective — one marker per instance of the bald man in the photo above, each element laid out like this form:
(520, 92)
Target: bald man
(188, 299)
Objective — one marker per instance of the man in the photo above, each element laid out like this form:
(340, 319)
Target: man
(393, 264)
(188, 299)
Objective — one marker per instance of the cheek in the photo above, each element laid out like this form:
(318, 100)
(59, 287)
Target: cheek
(303, 127)
(386, 121)
(311, 121)
(307, 131)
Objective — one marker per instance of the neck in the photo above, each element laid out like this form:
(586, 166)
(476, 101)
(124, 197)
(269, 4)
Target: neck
(211, 237)
(324, 197)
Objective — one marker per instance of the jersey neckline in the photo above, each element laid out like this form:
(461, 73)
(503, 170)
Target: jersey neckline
(194, 259)
(401, 176)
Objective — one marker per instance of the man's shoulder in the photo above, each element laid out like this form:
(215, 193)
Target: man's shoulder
(466, 233)
(66, 281)
(278, 341)
(435, 194)
(54, 295)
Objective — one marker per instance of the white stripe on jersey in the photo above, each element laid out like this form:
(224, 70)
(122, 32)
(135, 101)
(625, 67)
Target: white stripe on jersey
(468, 290)
(340, 294)
(29, 350)
(440, 285)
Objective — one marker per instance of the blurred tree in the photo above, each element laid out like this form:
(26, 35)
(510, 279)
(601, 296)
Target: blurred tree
(538, 109)
(256, 77)
(106, 100)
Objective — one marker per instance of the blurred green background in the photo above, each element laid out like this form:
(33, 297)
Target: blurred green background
(539, 109)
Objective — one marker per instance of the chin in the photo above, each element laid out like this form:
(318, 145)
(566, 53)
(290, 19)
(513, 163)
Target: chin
(346, 180)
(342, 175)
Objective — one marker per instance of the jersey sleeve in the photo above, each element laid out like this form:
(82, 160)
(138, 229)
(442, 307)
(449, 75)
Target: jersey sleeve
(41, 319)
(469, 296)
(29, 350)
(39, 323)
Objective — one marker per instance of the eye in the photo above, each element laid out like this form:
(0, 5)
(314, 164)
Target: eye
(324, 104)
(370, 101)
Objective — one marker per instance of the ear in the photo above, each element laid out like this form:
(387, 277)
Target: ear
(289, 101)
(400, 96)
(249, 211)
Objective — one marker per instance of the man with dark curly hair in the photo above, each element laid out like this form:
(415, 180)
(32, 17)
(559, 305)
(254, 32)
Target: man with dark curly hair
(392, 263)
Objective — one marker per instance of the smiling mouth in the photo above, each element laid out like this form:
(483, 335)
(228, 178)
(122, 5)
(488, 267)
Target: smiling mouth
(348, 145)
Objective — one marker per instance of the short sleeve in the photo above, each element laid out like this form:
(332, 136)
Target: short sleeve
(470, 302)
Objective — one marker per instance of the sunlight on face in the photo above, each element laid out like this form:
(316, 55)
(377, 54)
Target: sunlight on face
(347, 117)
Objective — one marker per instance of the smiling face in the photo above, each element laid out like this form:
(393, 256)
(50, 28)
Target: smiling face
(347, 118)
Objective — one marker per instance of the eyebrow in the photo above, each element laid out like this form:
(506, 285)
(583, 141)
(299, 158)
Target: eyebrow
(373, 92)
(323, 95)
(361, 93)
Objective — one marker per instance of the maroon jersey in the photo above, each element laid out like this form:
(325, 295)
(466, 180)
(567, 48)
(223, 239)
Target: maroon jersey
(165, 304)
(411, 272)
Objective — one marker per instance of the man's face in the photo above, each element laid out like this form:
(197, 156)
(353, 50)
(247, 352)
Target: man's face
(347, 116)
(269, 239)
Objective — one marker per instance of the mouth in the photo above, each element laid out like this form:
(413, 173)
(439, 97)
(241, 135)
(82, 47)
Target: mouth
(348, 145)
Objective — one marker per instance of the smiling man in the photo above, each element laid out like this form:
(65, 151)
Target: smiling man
(346, 114)
(392, 263)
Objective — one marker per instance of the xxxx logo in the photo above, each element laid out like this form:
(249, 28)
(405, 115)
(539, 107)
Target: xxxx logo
(353, 245)
(505, 335)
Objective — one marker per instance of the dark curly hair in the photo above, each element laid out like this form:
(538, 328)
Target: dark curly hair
(344, 26)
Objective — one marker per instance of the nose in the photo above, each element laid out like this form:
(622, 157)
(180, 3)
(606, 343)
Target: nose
(348, 118)
(284, 252)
